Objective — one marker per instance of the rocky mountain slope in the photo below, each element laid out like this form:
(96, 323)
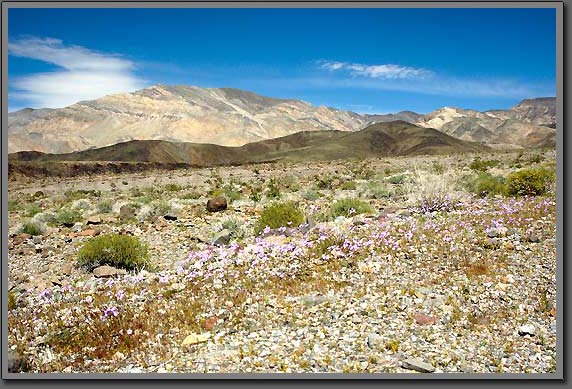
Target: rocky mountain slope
(531, 123)
(232, 117)
(227, 117)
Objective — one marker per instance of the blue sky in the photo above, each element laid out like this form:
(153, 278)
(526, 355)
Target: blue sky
(364, 60)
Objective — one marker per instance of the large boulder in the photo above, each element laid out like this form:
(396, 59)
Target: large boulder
(217, 204)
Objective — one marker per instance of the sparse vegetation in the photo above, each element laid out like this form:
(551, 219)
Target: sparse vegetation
(121, 251)
(33, 227)
(485, 184)
(529, 182)
(480, 165)
(282, 214)
(349, 207)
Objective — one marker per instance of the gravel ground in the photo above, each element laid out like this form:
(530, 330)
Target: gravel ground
(468, 289)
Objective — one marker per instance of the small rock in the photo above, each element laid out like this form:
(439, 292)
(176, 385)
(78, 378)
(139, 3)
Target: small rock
(374, 340)
(417, 365)
(493, 233)
(403, 212)
(424, 319)
(217, 204)
(89, 232)
(67, 269)
(124, 182)
(95, 220)
(210, 323)
(107, 271)
(23, 236)
(170, 216)
(527, 329)
(126, 212)
(16, 362)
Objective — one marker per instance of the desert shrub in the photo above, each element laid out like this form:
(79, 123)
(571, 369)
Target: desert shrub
(33, 227)
(14, 205)
(121, 251)
(104, 206)
(191, 196)
(349, 207)
(537, 158)
(325, 182)
(11, 300)
(397, 179)
(348, 185)
(291, 183)
(155, 208)
(173, 187)
(485, 184)
(362, 171)
(482, 166)
(33, 209)
(234, 225)
(311, 195)
(273, 189)
(529, 182)
(71, 195)
(67, 217)
(376, 190)
(438, 167)
(430, 192)
(80, 204)
(282, 214)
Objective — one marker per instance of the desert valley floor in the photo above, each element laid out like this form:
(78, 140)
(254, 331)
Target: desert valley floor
(416, 273)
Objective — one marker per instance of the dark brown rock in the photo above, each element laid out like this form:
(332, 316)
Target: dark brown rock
(217, 204)
(17, 363)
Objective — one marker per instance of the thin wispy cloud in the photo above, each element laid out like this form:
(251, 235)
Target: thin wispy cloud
(387, 71)
(82, 74)
(418, 80)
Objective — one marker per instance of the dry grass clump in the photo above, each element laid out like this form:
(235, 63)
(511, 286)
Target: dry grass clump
(429, 192)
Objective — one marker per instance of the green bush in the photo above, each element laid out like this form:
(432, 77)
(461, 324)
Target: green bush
(104, 207)
(376, 190)
(485, 184)
(273, 189)
(348, 185)
(276, 215)
(120, 251)
(33, 228)
(172, 187)
(67, 217)
(325, 182)
(536, 158)
(349, 207)
(438, 167)
(397, 179)
(191, 196)
(11, 300)
(529, 182)
(311, 195)
(482, 166)
(33, 209)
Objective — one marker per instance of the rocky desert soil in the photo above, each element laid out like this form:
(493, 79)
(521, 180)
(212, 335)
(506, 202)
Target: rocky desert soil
(457, 284)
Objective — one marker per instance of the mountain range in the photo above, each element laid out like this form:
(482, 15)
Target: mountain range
(231, 118)
(396, 138)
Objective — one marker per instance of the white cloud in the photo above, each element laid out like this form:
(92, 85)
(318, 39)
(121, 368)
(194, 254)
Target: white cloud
(84, 74)
(389, 71)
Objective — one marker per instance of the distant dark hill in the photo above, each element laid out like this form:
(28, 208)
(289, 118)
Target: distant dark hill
(395, 138)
